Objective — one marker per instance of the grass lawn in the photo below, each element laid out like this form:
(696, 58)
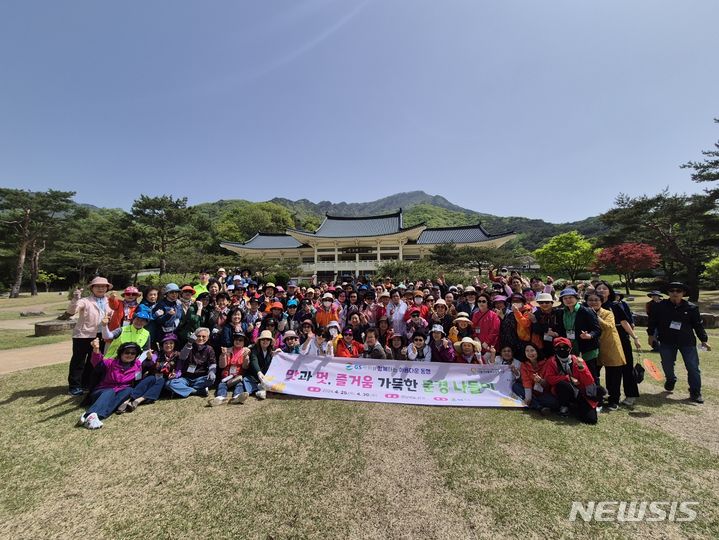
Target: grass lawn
(290, 467)
(25, 300)
(15, 339)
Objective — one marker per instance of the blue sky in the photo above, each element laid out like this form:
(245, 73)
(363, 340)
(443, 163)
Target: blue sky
(507, 107)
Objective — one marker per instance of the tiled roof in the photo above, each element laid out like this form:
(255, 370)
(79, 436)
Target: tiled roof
(268, 241)
(339, 227)
(458, 235)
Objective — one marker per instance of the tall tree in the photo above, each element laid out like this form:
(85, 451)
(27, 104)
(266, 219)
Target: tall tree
(163, 222)
(31, 219)
(684, 229)
(628, 258)
(568, 253)
(707, 170)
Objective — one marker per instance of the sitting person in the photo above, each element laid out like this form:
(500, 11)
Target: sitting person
(506, 358)
(396, 348)
(442, 349)
(260, 360)
(115, 376)
(291, 343)
(532, 387)
(462, 328)
(234, 363)
(195, 371)
(347, 347)
(572, 383)
(419, 350)
(372, 347)
(415, 322)
(160, 368)
(468, 352)
(319, 344)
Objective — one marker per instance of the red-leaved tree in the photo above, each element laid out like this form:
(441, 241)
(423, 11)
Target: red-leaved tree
(627, 259)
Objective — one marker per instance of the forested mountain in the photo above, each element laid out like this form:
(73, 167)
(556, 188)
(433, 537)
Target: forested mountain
(418, 206)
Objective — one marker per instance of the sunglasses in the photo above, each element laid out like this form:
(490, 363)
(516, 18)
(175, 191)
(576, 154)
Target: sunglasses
(482, 302)
(418, 340)
(290, 338)
(545, 302)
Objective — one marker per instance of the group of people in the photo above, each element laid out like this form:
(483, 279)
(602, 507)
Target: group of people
(220, 334)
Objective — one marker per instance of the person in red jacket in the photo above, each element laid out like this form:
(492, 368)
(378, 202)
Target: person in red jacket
(485, 322)
(347, 347)
(123, 310)
(572, 383)
(532, 386)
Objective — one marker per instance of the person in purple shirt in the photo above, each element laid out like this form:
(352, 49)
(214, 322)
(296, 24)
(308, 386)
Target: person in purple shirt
(115, 376)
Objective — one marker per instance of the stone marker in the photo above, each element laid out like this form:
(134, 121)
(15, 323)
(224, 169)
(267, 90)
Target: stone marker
(48, 328)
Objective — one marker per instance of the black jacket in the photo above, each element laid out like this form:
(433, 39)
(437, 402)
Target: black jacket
(664, 313)
(584, 321)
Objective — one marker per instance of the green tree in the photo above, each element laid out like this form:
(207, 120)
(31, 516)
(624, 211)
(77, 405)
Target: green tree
(29, 221)
(164, 223)
(243, 220)
(711, 271)
(567, 254)
(707, 170)
(46, 278)
(684, 229)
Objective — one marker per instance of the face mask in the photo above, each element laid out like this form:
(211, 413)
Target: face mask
(562, 353)
(517, 305)
(418, 301)
(333, 332)
(327, 304)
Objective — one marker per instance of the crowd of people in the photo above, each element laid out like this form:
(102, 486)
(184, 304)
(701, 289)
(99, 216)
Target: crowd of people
(219, 336)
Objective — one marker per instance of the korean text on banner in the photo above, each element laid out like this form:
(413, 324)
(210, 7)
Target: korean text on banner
(391, 381)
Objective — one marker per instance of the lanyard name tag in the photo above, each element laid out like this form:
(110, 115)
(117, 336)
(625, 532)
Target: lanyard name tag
(233, 370)
(547, 337)
(191, 368)
(675, 325)
(570, 334)
(138, 375)
(125, 323)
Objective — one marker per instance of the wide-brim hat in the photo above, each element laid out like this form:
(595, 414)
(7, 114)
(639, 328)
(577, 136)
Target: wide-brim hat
(499, 298)
(654, 293)
(469, 289)
(438, 328)
(462, 316)
(189, 288)
(169, 337)
(678, 285)
(544, 297)
(265, 334)
(100, 281)
(458, 345)
(440, 302)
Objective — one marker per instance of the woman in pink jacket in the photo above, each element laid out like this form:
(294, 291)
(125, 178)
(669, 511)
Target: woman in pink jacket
(116, 376)
(486, 324)
(91, 311)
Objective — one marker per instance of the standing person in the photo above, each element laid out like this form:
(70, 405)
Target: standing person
(580, 326)
(485, 322)
(149, 299)
(123, 310)
(654, 298)
(545, 323)
(91, 311)
(611, 354)
(201, 287)
(675, 322)
(625, 329)
(395, 310)
(168, 311)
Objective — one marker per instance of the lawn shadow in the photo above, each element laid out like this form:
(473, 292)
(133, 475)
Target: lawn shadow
(45, 394)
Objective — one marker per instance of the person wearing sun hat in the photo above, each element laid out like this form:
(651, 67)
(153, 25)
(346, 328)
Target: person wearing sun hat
(91, 312)
(123, 309)
(675, 322)
(468, 351)
(260, 359)
(461, 328)
(442, 349)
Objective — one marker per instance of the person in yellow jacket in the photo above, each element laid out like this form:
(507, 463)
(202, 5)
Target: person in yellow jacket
(132, 333)
(611, 354)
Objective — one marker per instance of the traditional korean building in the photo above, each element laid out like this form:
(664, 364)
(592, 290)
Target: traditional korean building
(357, 245)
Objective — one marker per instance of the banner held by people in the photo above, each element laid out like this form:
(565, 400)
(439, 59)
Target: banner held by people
(391, 381)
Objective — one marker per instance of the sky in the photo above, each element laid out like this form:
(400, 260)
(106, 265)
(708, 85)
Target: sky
(539, 109)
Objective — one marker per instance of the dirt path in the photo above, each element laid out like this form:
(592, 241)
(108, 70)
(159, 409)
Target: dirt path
(30, 357)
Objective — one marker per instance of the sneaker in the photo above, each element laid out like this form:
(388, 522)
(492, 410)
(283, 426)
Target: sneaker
(214, 402)
(132, 405)
(611, 407)
(92, 421)
(81, 421)
(203, 392)
(261, 394)
(599, 408)
(629, 402)
(76, 391)
(669, 385)
(123, 407)
(564, 411)
(240, 398)
(696, 398)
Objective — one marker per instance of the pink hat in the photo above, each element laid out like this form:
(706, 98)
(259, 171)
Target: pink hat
(130, 290)
(100, 281)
